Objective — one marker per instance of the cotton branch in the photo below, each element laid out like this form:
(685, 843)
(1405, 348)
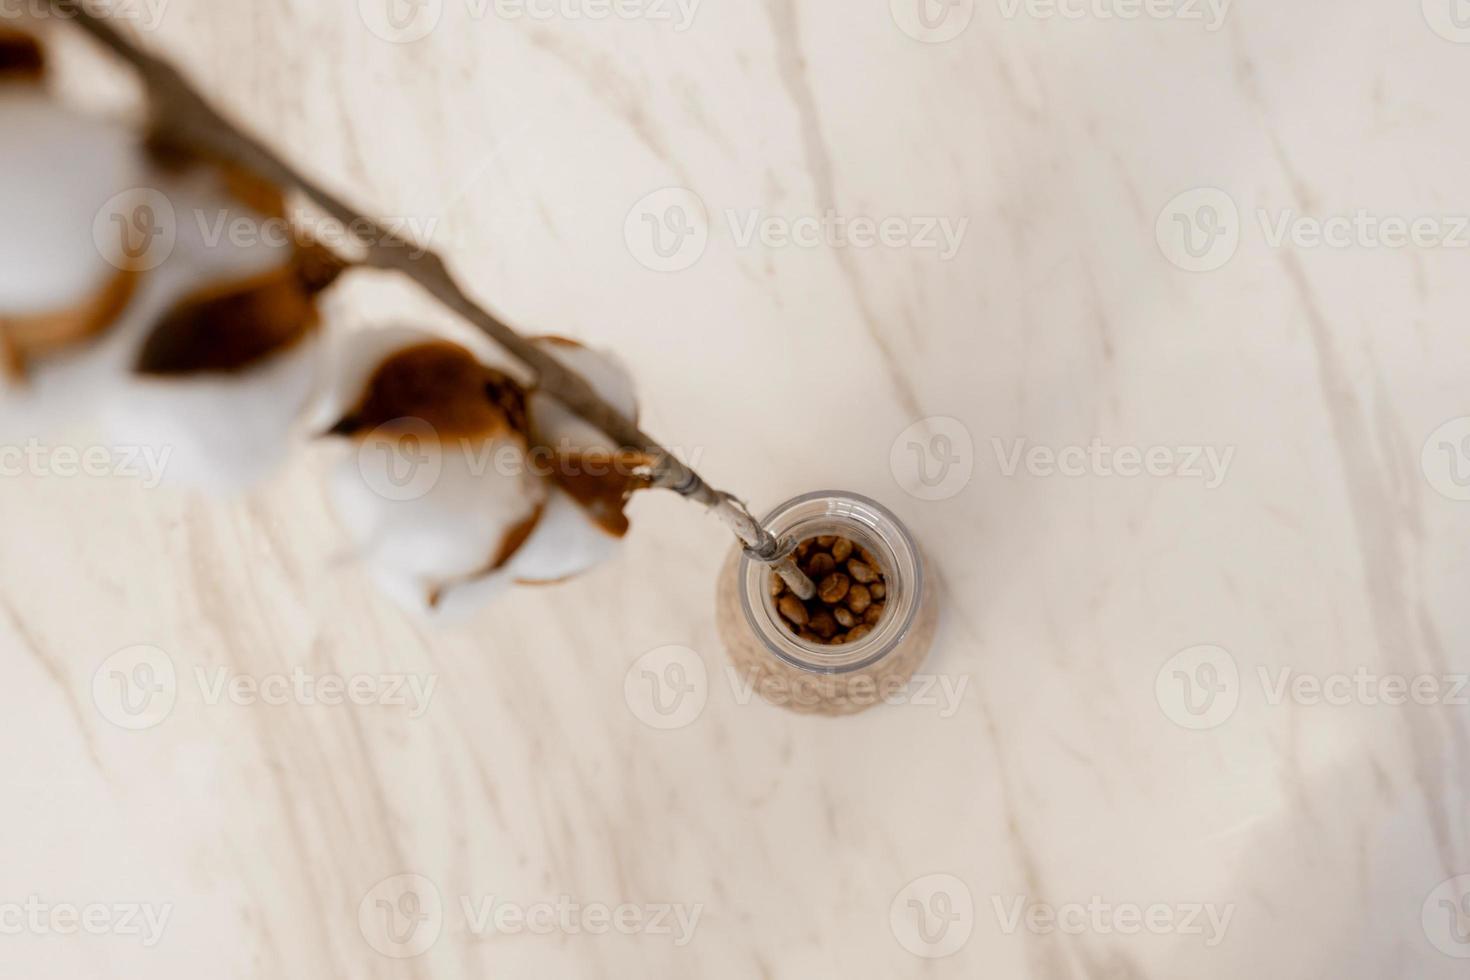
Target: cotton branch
(187, 117)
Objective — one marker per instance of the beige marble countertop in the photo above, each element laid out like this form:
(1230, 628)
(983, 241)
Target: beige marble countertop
(1148, 316)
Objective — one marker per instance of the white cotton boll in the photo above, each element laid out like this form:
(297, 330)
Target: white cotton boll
(447, 525)
(432, 513)
(61, 168)
(351, 357)
(422, 532)
(53, 397)
(437, 491)
(89, 380)
(219, 430)
(565, 544)
(87, 207)
(220, 433)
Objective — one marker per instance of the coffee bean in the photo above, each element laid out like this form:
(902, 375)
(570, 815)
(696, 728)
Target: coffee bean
(791, 607)
(834, 587)
(821, 565)
(824, 625)
(851, 590)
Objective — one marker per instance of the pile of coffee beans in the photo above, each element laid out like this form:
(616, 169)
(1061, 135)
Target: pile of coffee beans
(851, 592)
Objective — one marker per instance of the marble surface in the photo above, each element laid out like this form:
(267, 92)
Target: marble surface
(1148, 318)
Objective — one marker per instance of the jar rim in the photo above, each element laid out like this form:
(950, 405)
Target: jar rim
(847, 658)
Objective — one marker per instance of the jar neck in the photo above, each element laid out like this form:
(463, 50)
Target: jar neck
(868, 525)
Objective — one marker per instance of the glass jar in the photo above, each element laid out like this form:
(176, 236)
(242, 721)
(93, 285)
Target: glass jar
(813, 678)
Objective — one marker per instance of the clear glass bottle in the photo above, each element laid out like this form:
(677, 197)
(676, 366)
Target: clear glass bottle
(812, 678)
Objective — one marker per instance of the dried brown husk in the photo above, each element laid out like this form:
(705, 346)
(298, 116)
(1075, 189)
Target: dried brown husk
(604, 492)
(615, 474)
(444, 385)
(22, 57)
(248, 188)
(231, 327)
(23, 338)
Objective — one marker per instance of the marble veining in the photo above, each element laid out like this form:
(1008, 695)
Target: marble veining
(1182, 425)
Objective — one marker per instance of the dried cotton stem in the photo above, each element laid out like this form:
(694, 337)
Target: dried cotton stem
(181, 112)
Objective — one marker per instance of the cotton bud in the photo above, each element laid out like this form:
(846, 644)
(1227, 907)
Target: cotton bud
(583, 522)
(456, 493)
(225, 373)
(59, 291)
(439, 491)
(131, 296)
